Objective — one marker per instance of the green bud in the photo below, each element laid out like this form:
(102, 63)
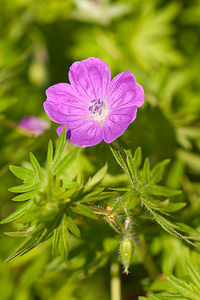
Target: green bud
(126, 253)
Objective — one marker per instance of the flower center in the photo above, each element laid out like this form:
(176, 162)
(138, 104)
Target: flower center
(98, 110)
(96, 107)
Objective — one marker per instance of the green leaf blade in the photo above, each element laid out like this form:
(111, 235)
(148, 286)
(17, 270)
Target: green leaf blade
(66, 162)
(84, 211)
(22, 173)
(36, 166)
(18, 213)
(72, 226)
(59, 148)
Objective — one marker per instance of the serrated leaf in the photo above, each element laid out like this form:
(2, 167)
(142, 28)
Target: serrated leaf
(18, 213)
(97, 177)
(158, 171)
(59, 148)
(36, 166)
(24, 188)
(22, 173)
(72, 226)
(49, 154)
(84, 211)
(66, 161)
(158, 190)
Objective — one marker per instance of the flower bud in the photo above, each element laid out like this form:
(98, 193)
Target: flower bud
(126, 253)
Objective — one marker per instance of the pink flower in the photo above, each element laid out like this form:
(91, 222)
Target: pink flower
(35, 125)
(94, 108)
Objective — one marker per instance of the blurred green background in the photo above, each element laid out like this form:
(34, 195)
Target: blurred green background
(159, 42)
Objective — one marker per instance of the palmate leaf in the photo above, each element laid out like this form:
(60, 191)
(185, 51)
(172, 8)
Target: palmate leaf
(144, 185)
(173, 229)
(182, 289)
(186, 289)
(53, 201)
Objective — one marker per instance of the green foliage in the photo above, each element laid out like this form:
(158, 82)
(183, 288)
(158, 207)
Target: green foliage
(159, 42)
(187, 288)
(144, 188)
(51, 204)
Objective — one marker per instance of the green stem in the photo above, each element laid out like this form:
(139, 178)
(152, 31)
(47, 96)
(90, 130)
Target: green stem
(146, 258)
(115, 285)
(17, 127)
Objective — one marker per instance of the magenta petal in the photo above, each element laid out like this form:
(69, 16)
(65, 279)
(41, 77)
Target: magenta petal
(62, 102)
(124, 91)
(88, 134)
(117, 122)
(90, 78)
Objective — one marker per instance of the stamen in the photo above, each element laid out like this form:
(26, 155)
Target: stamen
(98, 109)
